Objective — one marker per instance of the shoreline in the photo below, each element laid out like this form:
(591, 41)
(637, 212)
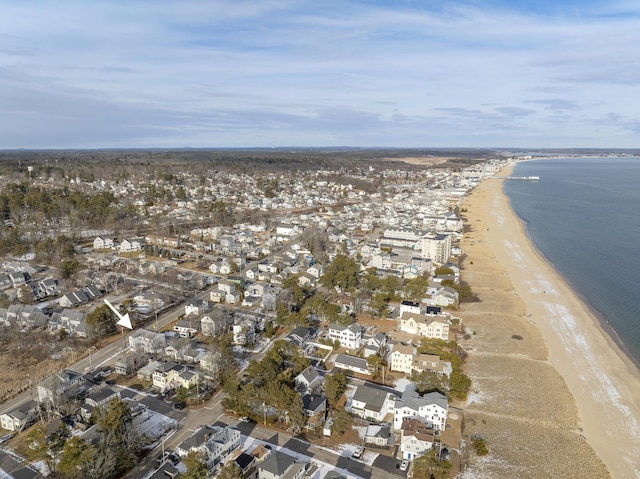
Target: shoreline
(570, 355)
(600, 316)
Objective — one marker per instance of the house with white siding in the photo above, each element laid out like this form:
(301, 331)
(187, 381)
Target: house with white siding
(350, 336)
(430, 409)
(425, 325)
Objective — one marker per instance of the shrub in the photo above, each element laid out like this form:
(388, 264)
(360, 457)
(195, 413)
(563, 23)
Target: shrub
(480, 446)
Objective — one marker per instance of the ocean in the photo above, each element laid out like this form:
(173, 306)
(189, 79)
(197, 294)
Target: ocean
(583, 215)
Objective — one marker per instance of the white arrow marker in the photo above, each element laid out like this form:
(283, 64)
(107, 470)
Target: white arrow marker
(124, 320)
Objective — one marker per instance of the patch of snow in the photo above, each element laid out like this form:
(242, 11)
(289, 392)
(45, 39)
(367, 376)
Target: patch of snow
(401, 384)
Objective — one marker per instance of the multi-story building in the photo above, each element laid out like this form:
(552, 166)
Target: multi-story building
(437, 247)
(350, 336)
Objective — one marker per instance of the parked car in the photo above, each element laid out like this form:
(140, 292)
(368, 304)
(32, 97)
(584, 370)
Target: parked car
(404, 465)
(358, 452)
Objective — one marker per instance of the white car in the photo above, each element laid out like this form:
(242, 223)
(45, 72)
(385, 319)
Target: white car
(404, 465)
(358, 452)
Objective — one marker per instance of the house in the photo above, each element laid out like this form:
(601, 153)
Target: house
(186, 328)
(165, 471)
(431, 363)
(410, 307)
(211, 363)
(147, 341)
(17, 278)
(130, 245)
(316, 270)
(431, 409)
(416, 438)
(256, 289)
(215, 443)
(76, 298)
(244, 330)
(352, 363)
(250, 301)
(213, 324)
(306, 279)
(315, 407)
(424, 265)
(166, 375)
(379, 435)
(269, 298)
(401, 358)
(444, 297)
(279, 465)
(372, 403)
(425, 325)
(252, 273)
(20, 418)
(195, 307)
(50, 286)
(300, 335)
(103, 243)
(233, 298)
(349, 336)
(246, 463)
(97, 399)
(310, 380)
(376, 344)
(128, 363)
(5, 282)
(286, 230)
(145, 373)
(63, 383)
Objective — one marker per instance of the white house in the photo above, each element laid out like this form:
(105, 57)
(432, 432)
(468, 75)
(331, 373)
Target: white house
(103, 243)
(19, 418)
(416, 438)
(401, 358)
(215, 443)
(309, 380)
(147, 341)
(350, 336)
(372, 403)
(431, 409)
(426, 325)
(352, 363)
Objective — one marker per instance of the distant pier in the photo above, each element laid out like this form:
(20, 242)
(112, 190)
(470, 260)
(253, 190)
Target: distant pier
(526, 178)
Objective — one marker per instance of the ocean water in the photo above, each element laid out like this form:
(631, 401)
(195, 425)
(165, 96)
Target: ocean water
(584, 217)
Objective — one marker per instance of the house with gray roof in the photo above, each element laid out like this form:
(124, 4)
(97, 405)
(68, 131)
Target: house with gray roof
(352, 363)
(372, 403)
(309, 380)
(431, 409)
(279, 465)
(216, 443)
(19, 418)
(379, 435)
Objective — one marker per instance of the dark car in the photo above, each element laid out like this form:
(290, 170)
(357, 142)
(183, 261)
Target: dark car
(179, 406)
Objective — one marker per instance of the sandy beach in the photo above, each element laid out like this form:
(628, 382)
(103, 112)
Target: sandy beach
(552, 394)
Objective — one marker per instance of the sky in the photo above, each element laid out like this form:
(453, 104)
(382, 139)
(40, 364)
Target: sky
(275, 73)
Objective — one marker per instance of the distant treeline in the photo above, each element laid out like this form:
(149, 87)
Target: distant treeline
(248, 161)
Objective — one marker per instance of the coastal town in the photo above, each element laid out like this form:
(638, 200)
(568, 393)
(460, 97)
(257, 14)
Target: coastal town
(284, 324)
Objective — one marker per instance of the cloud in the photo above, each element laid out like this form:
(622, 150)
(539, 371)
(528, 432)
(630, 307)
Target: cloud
(222, 73)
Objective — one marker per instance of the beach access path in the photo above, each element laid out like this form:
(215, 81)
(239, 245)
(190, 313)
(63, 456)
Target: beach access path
(552, 393)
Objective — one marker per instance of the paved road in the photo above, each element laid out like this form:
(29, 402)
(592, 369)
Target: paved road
(15, 469)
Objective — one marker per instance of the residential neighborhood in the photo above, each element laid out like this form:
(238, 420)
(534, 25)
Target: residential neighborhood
(328, 314)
